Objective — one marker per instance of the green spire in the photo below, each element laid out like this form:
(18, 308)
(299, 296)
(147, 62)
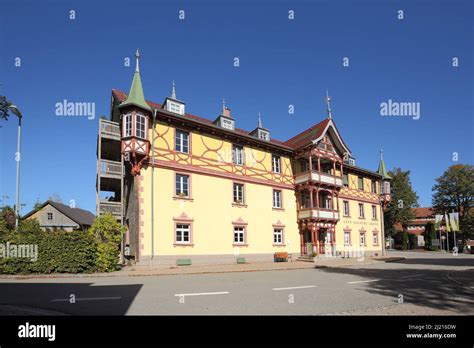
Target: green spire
(382, 171)
(136, 96)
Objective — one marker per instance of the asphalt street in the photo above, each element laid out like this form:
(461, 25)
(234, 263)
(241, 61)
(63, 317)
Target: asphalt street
(432, 280)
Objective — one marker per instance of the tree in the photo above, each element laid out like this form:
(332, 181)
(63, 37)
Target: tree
(403, 199)
(108, 234)
(429, 235)
(454, 192)
(405, 240)
(55, 197)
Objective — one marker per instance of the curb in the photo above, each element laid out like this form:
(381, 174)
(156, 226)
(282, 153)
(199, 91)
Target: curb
(191, 272)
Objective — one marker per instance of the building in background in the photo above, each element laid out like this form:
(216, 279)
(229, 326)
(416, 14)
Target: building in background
(53, 216)
(202, 190)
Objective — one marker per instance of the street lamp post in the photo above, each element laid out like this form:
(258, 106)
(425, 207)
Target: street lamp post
(18, 158)
(6, 106)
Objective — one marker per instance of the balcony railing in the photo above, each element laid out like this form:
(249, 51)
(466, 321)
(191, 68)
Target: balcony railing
(319, 177)
(110, 168)
(109, 128)
(115, 208)
(318, 213)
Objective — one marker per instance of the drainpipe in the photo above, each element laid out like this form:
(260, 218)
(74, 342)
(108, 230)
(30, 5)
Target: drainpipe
(152, 186)
(382, 228)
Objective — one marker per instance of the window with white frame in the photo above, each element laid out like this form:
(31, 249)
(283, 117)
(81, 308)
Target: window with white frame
(276, 168)
(127, 125)
(238, 155)
(228, 124)
(182, 185)
(177, 108)
(362, 238)
(182, 141)
(278, 236)
(183, 233)
(239, 193)
(263, 135)
(347, 238)
(277, 199)
(375, 239)
(345, 205)
(374, 212)
(140, 126)
(239, 235)
(50, 216)
(361, 211)
(327, 202)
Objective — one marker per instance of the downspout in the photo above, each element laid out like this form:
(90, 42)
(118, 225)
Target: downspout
(152, 186)
(383, 228)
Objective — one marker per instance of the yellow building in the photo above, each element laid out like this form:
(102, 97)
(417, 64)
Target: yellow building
(198, 190)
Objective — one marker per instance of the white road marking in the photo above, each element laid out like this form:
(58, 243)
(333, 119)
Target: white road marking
(203, 294)
(363, 281)
(295, 287)
(86, 299)
(412, 276)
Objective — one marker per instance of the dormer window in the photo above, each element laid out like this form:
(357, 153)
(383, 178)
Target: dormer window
(175, 107)
(135, 125)
(264, 135)
(226, 123)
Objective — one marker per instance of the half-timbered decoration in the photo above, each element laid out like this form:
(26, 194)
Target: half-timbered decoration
(206, 190)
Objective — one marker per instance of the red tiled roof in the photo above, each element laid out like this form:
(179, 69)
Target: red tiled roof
(423, 212)
(306, 136)
(122, 96)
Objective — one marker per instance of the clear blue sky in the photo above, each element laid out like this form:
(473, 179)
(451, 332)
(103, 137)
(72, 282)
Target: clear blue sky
(282, 62)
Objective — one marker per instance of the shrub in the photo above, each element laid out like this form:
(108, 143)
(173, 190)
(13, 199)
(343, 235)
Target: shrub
(107, 232)
(58, 252)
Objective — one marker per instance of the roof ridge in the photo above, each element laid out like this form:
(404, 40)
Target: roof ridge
(197, 117)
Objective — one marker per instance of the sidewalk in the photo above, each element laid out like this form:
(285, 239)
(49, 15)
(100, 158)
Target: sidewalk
(133, 271)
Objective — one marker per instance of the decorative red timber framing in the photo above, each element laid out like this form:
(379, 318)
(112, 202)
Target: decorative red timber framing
(168, 157)
(136, 147)
(319, 231)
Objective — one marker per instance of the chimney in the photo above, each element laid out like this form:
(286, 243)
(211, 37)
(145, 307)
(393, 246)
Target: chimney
(226, 112)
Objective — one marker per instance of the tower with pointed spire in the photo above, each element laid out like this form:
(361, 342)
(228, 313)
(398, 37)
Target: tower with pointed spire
(135, 119)
(385, 183)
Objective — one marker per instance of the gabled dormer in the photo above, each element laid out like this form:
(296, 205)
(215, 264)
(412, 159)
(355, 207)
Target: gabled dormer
(225, 120)
(260, 132)
(172, 104)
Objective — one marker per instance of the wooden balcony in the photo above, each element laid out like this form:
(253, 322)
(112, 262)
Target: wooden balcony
(319, 177)
(318, 213)
(109, 129)
(110, 169)
(115, 208)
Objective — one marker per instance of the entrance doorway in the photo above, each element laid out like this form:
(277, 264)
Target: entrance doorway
(324, 239)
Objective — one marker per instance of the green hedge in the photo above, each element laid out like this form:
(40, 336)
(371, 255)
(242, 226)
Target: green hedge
(58, 252)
